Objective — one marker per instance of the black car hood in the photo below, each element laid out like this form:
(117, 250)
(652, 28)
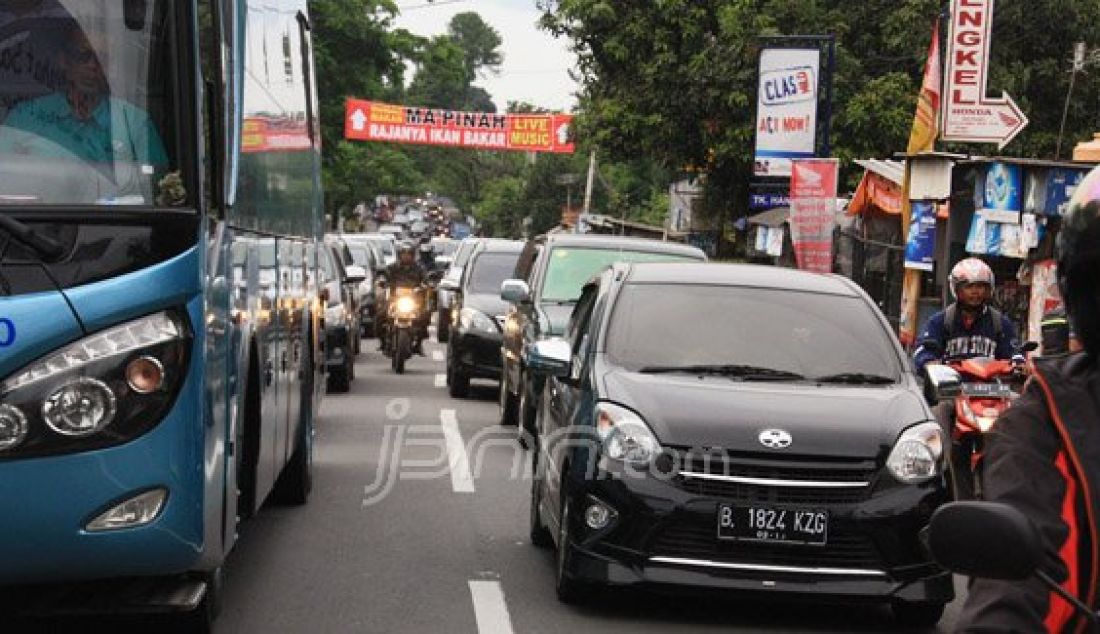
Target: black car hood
(841, 421)
(491, 305)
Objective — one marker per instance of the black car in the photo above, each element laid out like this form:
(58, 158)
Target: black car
(548, 280)
(339, 286)
(736, 427)
(473, 351)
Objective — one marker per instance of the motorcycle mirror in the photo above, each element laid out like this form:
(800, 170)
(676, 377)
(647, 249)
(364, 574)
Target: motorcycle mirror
(985, 539)
(1030, 346)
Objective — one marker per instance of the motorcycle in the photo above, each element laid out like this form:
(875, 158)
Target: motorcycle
(401, 333)
(981, 388)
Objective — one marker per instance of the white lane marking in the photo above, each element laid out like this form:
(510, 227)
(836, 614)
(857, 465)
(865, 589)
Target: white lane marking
(441, 380)
(489, 608)
(438, 355)
(461, 480)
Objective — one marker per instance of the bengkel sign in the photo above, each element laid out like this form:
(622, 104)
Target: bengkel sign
(373, 121)
(969, 116)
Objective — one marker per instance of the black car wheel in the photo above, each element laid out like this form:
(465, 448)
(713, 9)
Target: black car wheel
(540, 535)
(509, 405)
(527, 409)
(569, 589)
(460, 384)
(443, 326)
(917, 614)
(338, 380)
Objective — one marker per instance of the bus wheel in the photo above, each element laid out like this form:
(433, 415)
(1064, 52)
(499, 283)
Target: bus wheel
(296, 481)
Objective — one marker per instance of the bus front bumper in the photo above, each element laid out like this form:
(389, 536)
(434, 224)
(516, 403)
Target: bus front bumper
(49, 501)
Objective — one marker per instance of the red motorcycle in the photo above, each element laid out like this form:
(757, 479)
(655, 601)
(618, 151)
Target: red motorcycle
(982, 389)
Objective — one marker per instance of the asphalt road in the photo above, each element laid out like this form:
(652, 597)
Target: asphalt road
(440, 543)
(424, 548)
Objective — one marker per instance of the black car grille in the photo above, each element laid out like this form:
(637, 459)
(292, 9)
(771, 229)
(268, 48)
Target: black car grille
(714, 472)
(696, 538)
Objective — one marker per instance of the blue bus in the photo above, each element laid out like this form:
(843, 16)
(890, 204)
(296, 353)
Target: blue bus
(160, 359)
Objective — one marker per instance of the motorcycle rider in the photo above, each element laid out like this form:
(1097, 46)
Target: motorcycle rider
(406, 273)
(969, 327)
(1043, 455)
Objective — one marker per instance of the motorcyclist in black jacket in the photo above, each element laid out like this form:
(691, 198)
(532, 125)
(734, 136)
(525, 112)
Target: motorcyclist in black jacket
(1043, 455)
(407, 273)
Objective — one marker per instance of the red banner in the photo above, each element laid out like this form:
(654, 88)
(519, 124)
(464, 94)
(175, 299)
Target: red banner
(813, 212)
(270, 134)
(373, 121)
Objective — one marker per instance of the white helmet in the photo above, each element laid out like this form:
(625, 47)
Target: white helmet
(970, 271)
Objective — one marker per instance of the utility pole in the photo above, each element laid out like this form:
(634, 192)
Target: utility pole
(583, 220)
(1079, 51)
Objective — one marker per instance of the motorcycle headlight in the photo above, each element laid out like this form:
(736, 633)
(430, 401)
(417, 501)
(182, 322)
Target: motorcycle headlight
(917, 454)
(624, 435)
(406, 304)
(335, 315)
(470, 319)
(102, 390)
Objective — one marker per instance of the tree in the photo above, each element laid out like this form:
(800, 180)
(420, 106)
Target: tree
(479, 41)
(690, 100)
(357, 53)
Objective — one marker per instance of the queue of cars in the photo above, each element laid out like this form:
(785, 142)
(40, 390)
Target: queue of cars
(706, 426)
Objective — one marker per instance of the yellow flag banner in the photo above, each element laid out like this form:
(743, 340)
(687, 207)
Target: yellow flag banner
(922, 138)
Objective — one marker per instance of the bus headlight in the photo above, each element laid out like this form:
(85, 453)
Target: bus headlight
(99, 391)
(13, 427)
(79, 408)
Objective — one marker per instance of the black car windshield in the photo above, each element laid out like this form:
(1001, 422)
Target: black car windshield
(571, 267)
(489, 272)
(86, 104)
(660, 327)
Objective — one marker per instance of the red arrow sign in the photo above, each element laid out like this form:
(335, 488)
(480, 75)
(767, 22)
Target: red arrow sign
(969, 116)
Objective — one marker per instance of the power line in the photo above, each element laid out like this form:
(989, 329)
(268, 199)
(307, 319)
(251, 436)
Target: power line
(429, 5)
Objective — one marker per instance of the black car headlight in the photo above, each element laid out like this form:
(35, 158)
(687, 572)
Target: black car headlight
(99, 391)
(624, 436)
(918, 454)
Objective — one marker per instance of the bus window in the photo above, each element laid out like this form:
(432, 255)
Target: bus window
(85, 95)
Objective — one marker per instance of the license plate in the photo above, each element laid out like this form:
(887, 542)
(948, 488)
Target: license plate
(989, 390)
(762, 523)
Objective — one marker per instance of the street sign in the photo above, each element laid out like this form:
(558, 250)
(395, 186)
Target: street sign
(969, 116)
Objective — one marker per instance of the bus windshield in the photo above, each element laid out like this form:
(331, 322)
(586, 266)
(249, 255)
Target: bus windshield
(86, 101)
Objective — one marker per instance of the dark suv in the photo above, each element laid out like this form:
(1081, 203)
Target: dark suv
(551, 272)
(736, 427)
(474, 347)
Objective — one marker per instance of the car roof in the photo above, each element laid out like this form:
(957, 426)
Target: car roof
(750, 275)
(499, 245)
(599, 241)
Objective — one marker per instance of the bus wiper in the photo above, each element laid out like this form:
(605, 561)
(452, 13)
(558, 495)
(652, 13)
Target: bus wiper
(746, 372)
(856, 378)
(44, 246)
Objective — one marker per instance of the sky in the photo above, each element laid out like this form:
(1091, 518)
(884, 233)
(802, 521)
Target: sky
(535, 65)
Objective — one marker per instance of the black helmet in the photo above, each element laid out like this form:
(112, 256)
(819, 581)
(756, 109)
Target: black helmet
(405, 247)
(1079, 261)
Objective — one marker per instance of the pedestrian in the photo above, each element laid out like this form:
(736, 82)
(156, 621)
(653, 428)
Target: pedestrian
(1043, 455)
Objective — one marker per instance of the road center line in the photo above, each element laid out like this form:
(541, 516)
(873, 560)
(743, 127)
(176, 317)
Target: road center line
(441, 380)
(489, 608)
(438, 355)
(461, 481)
